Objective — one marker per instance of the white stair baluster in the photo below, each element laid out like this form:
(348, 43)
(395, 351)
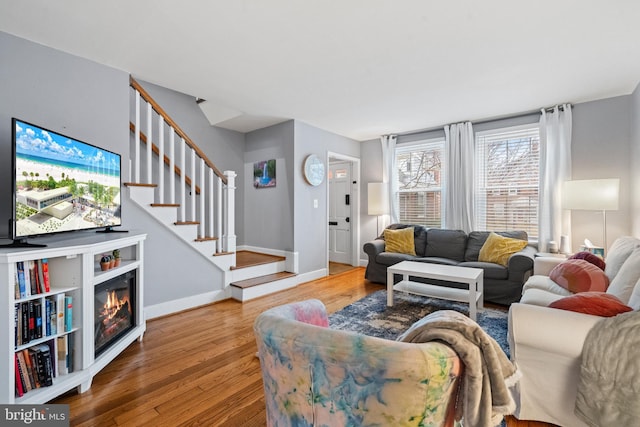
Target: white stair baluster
(210, 197)
(149, 142)
(183, 186)
(218, 231)
(172, 166)
(202, 200)
(160, 159)
(193, 185)
(136, 156)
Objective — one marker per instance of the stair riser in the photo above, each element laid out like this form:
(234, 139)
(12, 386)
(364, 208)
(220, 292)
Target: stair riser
(247, 294)
(256, 271)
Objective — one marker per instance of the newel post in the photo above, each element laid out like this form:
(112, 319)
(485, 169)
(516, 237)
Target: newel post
(229, 237)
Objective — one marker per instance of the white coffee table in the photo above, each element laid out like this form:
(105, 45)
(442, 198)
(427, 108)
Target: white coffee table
(471, 276)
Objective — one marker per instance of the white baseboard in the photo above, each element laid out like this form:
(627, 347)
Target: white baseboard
(312, 275)
(174, 306)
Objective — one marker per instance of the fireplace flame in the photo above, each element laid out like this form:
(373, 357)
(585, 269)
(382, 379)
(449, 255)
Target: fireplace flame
(113, 305)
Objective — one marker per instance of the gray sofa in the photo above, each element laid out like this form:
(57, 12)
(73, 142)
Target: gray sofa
(502, 285)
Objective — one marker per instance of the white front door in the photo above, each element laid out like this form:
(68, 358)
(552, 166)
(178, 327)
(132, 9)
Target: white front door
(340, 212)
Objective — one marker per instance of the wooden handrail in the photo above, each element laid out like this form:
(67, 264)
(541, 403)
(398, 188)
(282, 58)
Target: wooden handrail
(145, 95)
(167, 161)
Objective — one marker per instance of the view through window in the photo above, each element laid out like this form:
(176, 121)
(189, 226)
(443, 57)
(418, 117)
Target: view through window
(420, 168)
(507, 178)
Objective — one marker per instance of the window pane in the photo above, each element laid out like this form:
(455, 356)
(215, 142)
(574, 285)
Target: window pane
(507, 180)
(420, 172)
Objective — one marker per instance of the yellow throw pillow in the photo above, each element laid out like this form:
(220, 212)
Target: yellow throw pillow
(498, 249)
(399, 241)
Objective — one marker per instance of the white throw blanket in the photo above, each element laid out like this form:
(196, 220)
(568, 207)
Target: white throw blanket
(609, 383)
(488, 373)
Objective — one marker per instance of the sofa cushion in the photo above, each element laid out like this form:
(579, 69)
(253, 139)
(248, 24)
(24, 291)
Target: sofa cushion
(589, 257)
(618, 254)
(625, 279)
(491, 270)
(446, 244)
(399, 241)
(539, 297)
(437, 260)
(634, 301)
(498, 249)
(476, 240)
(544, 283)
(578, 275)
(594, 303)
(390, 258)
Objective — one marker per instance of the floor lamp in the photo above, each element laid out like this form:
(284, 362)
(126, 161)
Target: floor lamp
(378, 201)
(592, 195)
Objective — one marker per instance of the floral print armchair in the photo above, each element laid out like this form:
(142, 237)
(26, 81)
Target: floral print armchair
(316, 376)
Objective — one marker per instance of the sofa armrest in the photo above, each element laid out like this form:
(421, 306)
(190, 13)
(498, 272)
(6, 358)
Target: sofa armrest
(373, 248)
(521, 263)
(543, 265)
(549, 330)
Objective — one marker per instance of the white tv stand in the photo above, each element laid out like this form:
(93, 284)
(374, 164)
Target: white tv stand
(75, 270)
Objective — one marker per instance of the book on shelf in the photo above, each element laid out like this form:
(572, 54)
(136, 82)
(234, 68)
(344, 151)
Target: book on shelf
(46, 280)
(53, 316)
(20, 387)
(17, 283)
(63, 349)
(70, 352)
(41, 356)
(68, 313)
(24, 336)
(21, 280)
(27, 279)
(60, 307)
(37, 315)
(23, 357)
(33, 276)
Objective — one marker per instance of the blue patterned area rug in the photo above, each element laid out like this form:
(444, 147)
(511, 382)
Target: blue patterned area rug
(371, 316)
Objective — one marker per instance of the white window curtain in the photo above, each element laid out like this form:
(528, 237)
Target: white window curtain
(555, 168)
(389, 174)
(459, 190)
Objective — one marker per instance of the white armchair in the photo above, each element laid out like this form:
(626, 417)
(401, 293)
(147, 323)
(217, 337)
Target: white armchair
(546, 343)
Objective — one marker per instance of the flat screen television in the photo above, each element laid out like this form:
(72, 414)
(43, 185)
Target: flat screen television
(61, 184)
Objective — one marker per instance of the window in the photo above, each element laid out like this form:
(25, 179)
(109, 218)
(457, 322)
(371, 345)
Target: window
(507, 177)
(420, 168)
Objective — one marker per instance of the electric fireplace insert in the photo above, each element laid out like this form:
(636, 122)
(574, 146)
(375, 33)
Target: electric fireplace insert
(114, 310)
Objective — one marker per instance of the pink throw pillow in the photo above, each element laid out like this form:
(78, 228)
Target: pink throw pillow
(588, 256)
(578, 275)
(595, 303)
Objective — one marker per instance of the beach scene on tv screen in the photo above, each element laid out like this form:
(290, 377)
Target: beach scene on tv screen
(63, 184)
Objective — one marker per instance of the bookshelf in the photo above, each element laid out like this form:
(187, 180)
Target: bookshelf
(74, 271)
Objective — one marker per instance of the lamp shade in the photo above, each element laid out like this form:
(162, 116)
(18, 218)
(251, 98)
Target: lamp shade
(378, 201)
(591, 194)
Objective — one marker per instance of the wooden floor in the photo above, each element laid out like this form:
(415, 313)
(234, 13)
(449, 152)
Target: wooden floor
(199, 367)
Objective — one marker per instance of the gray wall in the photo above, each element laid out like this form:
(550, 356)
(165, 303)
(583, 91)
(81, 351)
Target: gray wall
(635, 162)
(601, 148)
(268, 213)
(606, 135)
(311, 224)
(64, 93)
(90, 102)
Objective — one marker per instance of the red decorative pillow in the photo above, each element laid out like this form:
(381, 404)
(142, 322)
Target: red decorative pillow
(595, 303)
(589, 257)
(578, 275)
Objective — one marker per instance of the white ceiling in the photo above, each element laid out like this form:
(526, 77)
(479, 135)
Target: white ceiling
(358, 68)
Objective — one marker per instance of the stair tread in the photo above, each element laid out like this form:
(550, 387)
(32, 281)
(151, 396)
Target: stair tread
(249, 259)
(261, 280)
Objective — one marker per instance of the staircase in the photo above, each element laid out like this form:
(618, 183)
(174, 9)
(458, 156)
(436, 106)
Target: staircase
(178, 186)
